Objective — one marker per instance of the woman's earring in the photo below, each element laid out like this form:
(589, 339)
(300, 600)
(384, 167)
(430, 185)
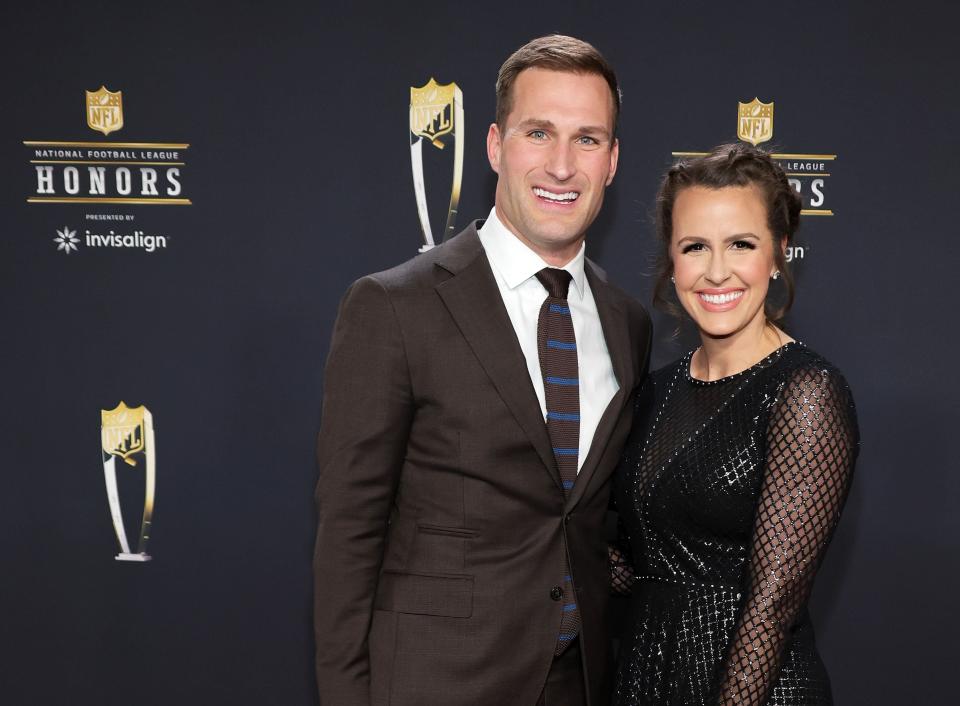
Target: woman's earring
(672, 279)
(775, 275)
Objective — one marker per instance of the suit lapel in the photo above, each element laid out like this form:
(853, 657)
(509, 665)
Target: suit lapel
(614, 323)
(474, 302)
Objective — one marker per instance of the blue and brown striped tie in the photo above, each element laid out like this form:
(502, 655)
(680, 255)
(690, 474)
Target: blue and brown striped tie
(557, 345)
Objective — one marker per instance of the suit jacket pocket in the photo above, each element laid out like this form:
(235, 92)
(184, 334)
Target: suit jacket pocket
(444, 531)
(446, 595)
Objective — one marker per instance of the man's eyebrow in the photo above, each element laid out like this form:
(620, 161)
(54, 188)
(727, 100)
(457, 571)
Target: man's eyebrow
(530, 123)
(595, 130)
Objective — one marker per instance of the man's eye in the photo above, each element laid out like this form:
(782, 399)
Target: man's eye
(586, 140)
(537, 134)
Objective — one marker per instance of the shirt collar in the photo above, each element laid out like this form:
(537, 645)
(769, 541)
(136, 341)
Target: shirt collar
(516, 262)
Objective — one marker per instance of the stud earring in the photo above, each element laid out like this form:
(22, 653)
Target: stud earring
(775, 275)
(672, 279)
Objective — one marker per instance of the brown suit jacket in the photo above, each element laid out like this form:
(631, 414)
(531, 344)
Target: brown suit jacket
(442, 519)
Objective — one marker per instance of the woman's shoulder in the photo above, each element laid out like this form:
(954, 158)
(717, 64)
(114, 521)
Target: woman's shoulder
(656, 381)
(669, 373)
(799, 359)
(671, 369)
(805, 373)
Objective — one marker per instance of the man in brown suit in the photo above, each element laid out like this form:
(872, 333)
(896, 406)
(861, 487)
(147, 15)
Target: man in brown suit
(475, 404)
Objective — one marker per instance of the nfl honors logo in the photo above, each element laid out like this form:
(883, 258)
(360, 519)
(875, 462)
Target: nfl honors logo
(755, 121)
(806, 172)
(105, 110)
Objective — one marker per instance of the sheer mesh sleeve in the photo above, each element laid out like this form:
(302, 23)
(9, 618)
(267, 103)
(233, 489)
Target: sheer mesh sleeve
(812, 442)
(622, 574)
(619, 552)
(619, 548)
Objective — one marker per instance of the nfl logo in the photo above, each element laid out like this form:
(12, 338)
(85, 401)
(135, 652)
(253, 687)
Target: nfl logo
(105, 110)
(755, 121)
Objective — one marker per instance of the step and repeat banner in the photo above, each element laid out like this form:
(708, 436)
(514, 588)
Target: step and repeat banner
(189, 189)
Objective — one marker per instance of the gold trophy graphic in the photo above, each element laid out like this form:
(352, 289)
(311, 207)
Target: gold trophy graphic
(127, 433)
(435, 112)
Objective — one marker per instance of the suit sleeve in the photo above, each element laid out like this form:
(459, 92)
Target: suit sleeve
(811, 448)
(367, 412)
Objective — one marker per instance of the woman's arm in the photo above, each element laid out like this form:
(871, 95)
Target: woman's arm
(621, 566)
(619, 547)
(812, 442)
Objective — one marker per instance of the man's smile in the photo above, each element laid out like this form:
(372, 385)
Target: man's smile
(557, 197)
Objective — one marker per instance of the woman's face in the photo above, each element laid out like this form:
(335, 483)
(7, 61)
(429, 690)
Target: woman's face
(722, 253)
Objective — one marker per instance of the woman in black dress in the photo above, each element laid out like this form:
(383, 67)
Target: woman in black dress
(739, 462)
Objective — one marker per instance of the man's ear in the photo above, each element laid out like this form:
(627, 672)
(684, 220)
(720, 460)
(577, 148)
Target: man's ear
(614, 160)
(494, 145)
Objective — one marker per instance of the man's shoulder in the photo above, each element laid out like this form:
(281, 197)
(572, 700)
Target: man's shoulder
(431, 267)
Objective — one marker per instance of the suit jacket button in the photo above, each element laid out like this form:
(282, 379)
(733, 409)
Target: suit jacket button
(556, 593)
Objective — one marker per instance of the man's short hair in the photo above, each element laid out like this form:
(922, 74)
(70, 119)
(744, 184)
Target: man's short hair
(556, 52)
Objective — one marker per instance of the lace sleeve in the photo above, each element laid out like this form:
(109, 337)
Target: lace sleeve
(812, 442)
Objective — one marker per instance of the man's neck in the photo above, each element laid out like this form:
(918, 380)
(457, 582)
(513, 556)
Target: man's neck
(555, 257)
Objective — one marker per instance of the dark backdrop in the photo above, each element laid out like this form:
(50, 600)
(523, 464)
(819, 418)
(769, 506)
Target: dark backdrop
(300, 182)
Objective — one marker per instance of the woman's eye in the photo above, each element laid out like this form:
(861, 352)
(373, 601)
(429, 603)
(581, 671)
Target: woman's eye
(692, 247)
(743, 245)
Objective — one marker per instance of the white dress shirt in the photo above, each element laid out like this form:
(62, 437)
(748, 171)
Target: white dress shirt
(515, 267)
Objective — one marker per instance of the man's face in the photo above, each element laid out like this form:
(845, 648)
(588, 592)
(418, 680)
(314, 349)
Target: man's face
(555, 156)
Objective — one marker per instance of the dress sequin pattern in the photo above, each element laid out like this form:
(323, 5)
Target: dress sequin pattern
(728, 495)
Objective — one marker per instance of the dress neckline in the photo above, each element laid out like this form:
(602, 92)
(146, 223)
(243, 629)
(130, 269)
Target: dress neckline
(762, 363)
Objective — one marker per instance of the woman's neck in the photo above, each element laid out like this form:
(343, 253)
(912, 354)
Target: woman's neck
(719, 357)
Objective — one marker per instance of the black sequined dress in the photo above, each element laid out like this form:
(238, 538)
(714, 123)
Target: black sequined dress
(728, 494)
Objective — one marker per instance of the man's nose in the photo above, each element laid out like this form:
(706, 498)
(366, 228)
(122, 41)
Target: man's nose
(561, 162)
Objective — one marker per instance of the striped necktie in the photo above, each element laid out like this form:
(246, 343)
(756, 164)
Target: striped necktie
(557, 346)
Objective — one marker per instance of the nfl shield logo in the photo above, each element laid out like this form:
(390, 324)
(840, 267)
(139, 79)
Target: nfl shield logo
(755, 121)
(432, 111)
(105, 110)
(122, 431)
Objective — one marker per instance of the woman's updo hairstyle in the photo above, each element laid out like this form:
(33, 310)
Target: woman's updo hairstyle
(737, 164)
